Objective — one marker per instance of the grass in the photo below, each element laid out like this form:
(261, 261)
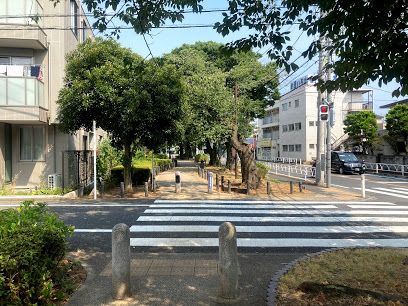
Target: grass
(8, 190)
(348, 277)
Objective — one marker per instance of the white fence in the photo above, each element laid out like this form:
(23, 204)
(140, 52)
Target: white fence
(381, 168)
(299, 171)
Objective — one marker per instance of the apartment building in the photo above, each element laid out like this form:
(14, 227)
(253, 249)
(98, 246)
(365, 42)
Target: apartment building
(289, 128)
(35, 36)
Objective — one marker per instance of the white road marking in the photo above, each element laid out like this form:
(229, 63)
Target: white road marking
(383, 192)
(273, 242)
(403, 182)
(340, 186)
(378, 207)
(270, 229)
(403, 189)
(393, 190)
(269, 219)
(83, 205)
(193, 202)
(275, 212)
(256, 206)
(92, 230)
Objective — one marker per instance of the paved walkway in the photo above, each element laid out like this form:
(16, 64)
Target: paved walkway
(188, 278)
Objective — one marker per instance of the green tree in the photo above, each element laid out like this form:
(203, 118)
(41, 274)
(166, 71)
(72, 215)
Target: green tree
(397, 123)
(368, 37)
(135, 101)
(362, 128)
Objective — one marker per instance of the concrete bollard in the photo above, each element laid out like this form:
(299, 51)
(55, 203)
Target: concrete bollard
(248, 188)
(122, 189)
(178, 182)
(121, 261)
(228, 266)
(222, 182)
(210, 182)
(300, 187)
(198, 171)
(363, 191)
(291, 186)
(102, 188)
(268, 188)
(217, 182)
(229, 186)
(146, 189)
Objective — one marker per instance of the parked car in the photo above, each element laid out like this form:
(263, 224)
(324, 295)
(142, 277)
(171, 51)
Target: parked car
(346, 162)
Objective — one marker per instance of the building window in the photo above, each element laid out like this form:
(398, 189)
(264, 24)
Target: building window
(290, 104)
(298, 126)
(84, 30)
(285, 148)
(74, 17)
(311, 146)
(311, 123)
(284, 106)
(32, 143)
(291, 148)
(284, 128)
(298, 148)
(291, 127)
(296, 103)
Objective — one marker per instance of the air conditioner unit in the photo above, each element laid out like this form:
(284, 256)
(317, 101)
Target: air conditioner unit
(54, 181)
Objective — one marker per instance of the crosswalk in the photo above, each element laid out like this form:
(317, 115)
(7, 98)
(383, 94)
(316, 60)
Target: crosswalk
(391, 191)
(272, 224)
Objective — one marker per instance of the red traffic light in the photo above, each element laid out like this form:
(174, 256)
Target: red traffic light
(324, 109)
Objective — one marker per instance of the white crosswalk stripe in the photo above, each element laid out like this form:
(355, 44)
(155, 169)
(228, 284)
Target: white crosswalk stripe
(263, 224)
(385, 191)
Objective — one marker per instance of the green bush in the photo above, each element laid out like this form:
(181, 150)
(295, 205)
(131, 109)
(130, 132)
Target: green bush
(139, 175)
(202, 157)
(32, 243)
(107, 158)
(262, 170)
(161, 155)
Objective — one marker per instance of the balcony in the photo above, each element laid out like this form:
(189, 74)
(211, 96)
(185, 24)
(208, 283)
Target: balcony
(20, 25)
(270, 120)
(22, 99)
(358, 106)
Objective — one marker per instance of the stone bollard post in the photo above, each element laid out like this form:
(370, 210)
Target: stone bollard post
(102, 188)
(229, 186)
(217, 182)
(198, 171)
(122, 189)
(121, 261)
(222, 183)
(178, 182)
(210, 182)
(248, 188)
(300, 187)
(146, 189)
(268, 188)
(291, 186)
(363, 191)
(228, 266)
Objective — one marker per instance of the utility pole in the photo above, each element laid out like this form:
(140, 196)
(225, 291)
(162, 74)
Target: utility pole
(328, 136)
(320, 124)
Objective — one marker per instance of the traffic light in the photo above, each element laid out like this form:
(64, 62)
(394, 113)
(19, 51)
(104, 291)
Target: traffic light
(324, 112)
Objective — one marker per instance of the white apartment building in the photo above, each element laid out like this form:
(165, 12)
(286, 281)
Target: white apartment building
(289, 128)
(35, 36)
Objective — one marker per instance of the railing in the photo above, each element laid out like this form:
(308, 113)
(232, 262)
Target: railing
(381, 168)
(29, 12)
(303, 172)
(359, 106)
(270, 119)
(21, 91)
(288, 160)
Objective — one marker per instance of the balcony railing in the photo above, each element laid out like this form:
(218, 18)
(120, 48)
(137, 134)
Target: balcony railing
(27, 12)
(24, 90)
(270, 119)
(357, 106)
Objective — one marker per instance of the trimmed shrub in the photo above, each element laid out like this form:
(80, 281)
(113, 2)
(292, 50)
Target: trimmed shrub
(161, 155)
(202, 157)
(32, 243)
(139, 175)
(262, 170)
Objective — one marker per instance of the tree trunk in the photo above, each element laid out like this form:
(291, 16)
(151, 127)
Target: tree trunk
(249, 171)
(230, 160)
(127, 168)
(212, 151)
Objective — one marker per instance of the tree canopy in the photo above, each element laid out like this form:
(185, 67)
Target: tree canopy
(368, 38)
(362, 128)
(397, 124)
(135, 101)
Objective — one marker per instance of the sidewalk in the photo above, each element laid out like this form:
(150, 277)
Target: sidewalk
(189, 278)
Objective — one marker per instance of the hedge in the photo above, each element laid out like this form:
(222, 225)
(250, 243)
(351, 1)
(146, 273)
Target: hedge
(32, 243)
(139, 175)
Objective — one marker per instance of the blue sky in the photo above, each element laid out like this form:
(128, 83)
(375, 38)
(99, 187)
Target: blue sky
(162, 41)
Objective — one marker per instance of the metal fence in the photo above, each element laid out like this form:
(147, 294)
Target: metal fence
(304, 172)
(77, 168)
(391, 169)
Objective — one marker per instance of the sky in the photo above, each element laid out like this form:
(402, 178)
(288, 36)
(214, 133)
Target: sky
(162, 41)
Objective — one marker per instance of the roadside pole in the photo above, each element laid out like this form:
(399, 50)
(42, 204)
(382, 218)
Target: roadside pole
(330, 123)
(94, 158)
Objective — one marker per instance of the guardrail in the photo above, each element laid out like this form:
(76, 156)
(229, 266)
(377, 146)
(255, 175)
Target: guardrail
(382, 168)
(300, 171)
(288, 160)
